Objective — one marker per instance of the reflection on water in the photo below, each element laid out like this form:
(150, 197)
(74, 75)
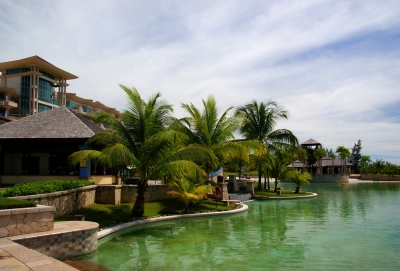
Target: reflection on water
(344, 228)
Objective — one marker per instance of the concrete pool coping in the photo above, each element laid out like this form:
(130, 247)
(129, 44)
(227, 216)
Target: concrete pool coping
(285, 198)
(113, 229)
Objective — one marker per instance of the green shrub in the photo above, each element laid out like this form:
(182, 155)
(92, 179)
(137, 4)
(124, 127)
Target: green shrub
(6, 203)
(44, 187)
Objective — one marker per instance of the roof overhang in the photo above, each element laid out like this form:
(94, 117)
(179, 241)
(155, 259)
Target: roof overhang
(41, 63)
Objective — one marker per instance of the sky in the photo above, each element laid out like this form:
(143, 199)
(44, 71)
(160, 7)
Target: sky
(333, 64)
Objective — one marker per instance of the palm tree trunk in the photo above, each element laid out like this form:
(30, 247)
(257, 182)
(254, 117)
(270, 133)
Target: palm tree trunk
(138, 207)
(259, 176)
(265, 182)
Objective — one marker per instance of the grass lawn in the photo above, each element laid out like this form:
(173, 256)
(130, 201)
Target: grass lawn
(284, 193)
(108, 215)
(249, 173)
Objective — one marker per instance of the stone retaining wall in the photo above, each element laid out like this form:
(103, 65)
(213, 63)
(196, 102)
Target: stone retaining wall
(65, 202)
(26, 220)
(153, 193)
(108, 194)
(380, 177)
(241, 197)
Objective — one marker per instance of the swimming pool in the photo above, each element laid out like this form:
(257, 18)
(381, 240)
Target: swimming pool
(345, 228)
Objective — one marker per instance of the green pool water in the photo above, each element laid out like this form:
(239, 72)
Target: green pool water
(356, 227)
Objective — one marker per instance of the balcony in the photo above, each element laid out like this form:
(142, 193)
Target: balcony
(8, 104)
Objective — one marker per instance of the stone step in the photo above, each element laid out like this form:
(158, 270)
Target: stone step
(85, 265)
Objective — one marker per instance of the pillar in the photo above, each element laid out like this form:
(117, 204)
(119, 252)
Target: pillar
(250, 188)
(233, 183)
(85, 166)
(224, 189)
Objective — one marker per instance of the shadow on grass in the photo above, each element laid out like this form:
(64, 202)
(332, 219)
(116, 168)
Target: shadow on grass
(108, 215)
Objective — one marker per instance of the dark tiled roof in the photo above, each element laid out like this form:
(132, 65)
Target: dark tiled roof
(327, 162)
(310, 142)
(296, 164)
(3, 120)
(58, 123)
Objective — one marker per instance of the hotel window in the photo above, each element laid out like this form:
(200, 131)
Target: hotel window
(85, 109)
(42, 108)
(70, 104)
(25, 95)
(46, 74)
(45, 91)
(17, 70)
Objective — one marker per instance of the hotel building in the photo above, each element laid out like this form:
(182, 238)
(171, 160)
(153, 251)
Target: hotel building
(32, 85)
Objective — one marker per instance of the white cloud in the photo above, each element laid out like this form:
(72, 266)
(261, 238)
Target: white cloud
(322, 60)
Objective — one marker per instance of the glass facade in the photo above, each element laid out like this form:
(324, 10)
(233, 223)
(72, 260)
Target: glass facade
(17, 70)
(25, 95)
(3, 112)
(46, 74)
(45, 91)
(72, 105)
(85, 109)
(42, 108)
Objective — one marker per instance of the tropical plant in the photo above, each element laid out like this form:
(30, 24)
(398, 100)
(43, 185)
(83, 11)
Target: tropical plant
(188, 192)
(277, 168)
(365, 160)
(378, 166)
(344, 154)
(143, 142)
(299, 178)
(206, 129)
(319, 153)
(259, 122)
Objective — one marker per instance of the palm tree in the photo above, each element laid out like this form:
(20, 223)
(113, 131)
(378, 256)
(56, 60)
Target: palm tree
(206, 129)
(301, 155)
(299, 178)
(277, 168)
(344, 154)
(259, 121)
(187, 191)
(333, 156)
(319, 153)
(365, 159)
(143, 142)
(378, 166)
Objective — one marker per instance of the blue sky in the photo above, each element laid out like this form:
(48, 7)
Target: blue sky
(335, 65)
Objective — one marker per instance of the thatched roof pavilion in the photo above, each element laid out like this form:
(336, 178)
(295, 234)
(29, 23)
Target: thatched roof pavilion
(40, 144)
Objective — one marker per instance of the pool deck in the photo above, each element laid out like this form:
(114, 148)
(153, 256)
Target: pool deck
(16, 257)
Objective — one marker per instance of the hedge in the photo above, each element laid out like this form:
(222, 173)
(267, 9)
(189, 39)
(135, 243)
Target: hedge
(43, 187)
(6, 203)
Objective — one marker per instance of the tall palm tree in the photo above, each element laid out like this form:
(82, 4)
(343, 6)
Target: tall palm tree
(259, 121)
(365, 159)
(333, 156)
(344, 154)
(143, 142)
(206, 129)
(319, 153)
